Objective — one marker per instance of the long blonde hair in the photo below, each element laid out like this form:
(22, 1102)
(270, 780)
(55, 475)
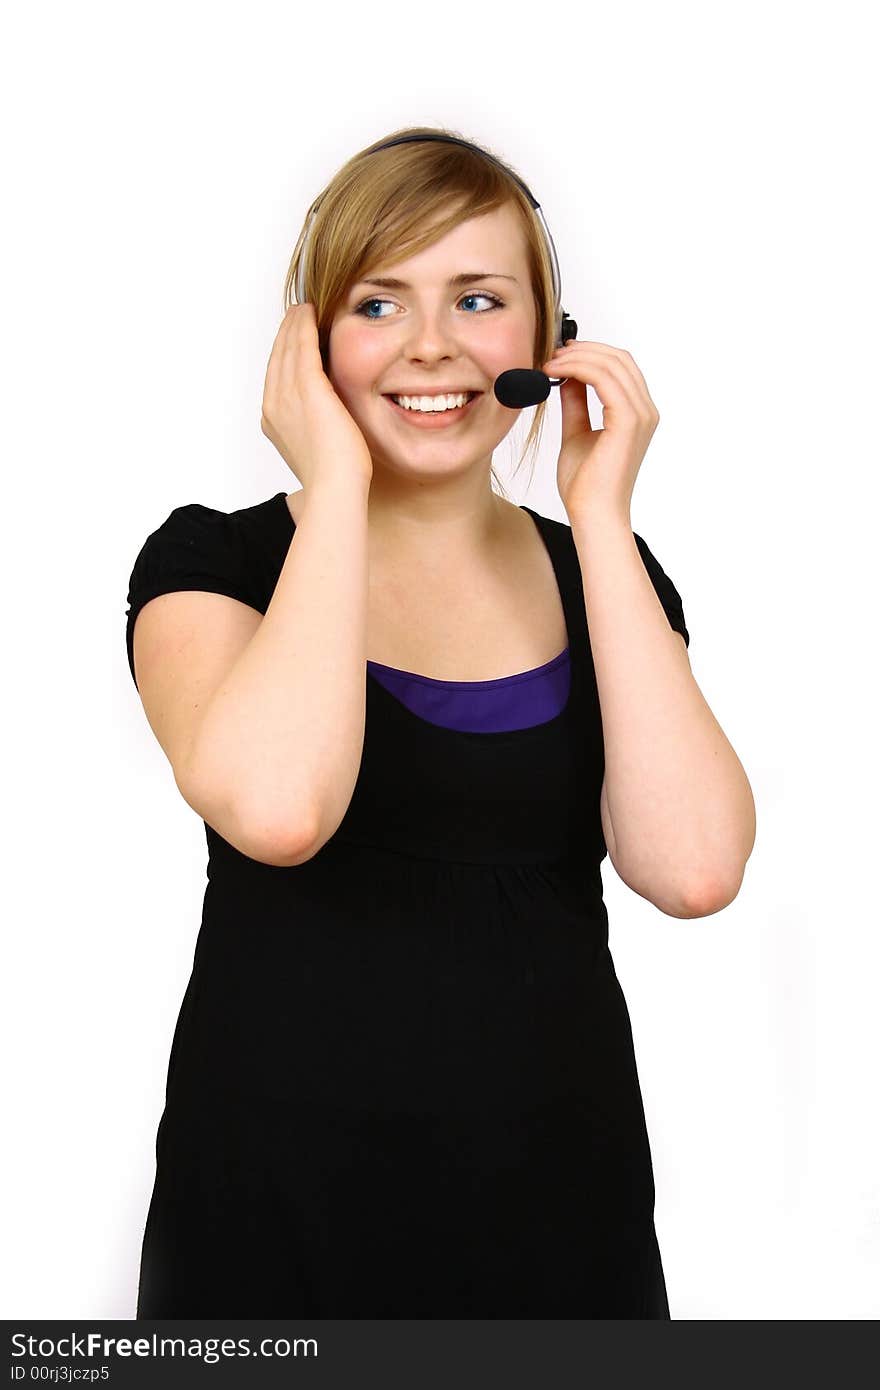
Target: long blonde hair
(385, 205)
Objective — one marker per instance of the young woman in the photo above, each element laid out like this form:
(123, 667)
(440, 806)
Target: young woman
(414, 717)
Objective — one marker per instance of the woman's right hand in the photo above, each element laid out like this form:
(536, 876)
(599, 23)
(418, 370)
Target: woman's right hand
(302, 414)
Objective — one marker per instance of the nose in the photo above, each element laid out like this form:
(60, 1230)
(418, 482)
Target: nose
(431, 337)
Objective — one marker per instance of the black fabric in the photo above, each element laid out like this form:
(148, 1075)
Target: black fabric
(402, 1082)
(196, 547)
(666, 590)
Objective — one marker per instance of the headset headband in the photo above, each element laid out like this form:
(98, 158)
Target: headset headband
(565, 327)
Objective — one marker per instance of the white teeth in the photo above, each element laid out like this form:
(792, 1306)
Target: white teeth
(432, 403)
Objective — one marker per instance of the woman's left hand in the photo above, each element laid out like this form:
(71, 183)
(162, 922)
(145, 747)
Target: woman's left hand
(598, 468)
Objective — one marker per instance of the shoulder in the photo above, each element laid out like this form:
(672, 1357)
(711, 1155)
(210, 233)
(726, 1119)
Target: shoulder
(294, 502)
(529, 518)
(196, 528)
(199, 547)
(664, 587)
(190, 537)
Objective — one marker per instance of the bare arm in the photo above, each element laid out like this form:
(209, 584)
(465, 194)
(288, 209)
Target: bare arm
(281, 736)
(676, 798)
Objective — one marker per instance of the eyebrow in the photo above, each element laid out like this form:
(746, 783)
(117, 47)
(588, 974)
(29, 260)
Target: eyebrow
(389, 283)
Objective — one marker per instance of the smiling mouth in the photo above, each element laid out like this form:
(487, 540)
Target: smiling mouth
(434, 419)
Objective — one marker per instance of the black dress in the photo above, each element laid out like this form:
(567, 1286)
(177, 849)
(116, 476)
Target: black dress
(402, 1082)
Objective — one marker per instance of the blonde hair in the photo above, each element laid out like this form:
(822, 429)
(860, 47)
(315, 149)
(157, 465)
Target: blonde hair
(385, 205)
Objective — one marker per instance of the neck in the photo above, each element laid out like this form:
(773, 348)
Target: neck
(449, 523)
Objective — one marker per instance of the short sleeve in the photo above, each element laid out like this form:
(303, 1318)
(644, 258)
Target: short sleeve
(196, 547)
(665, 589)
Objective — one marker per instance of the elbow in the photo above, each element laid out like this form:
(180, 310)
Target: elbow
(298, 851)
(683, 899)
(709, 896)
(283, 844)
(281, 840)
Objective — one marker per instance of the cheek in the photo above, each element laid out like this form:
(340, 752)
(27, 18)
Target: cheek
(506, 341)
(356, 357)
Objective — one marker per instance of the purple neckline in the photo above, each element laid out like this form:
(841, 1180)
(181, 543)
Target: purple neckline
(474, 685)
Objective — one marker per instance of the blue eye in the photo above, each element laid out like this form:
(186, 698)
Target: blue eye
(361, 307)
(495, 303)
(481, 294)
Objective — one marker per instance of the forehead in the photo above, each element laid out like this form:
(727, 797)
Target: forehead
(493, 241)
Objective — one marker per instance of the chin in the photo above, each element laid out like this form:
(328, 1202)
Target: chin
(430, 458)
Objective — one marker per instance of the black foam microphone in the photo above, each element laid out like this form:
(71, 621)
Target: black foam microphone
(522, 386)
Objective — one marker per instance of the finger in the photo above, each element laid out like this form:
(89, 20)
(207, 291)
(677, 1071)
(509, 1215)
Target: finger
(615, 387)
(626, 362)
(275, 370)
(297, 347)
(305, 339)
(575, 409)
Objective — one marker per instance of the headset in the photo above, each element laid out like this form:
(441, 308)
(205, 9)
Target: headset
(565, 327)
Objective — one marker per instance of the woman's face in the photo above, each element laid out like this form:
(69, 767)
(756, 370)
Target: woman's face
(428, 336)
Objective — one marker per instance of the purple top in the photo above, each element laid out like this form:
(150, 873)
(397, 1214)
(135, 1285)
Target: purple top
(485, 707)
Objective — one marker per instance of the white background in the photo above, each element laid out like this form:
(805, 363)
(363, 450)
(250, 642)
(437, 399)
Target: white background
(707, 172)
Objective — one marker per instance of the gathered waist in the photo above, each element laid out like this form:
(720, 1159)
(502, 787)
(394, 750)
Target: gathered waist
(574, 878)
(395, 985)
